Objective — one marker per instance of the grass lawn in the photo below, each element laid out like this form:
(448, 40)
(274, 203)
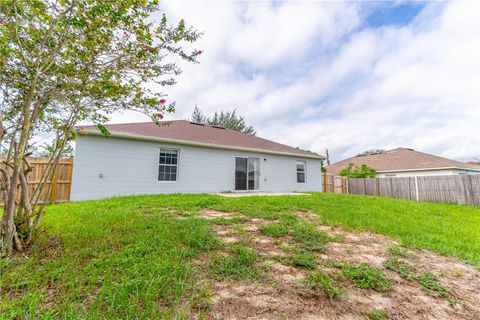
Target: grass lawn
(132, 257)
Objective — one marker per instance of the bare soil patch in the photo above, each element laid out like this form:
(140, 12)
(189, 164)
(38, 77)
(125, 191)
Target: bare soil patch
(213, 214)
(285, 295)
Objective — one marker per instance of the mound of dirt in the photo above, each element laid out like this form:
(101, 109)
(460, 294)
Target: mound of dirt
(284, 294)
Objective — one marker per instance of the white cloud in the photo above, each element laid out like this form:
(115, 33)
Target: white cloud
(308, 74)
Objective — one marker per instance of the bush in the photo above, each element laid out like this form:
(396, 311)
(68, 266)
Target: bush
(354, 171)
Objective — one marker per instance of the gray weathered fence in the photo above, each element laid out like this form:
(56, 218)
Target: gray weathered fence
(460, 189)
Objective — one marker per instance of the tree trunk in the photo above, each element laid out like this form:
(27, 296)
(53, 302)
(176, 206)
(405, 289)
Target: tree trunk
(9, 233)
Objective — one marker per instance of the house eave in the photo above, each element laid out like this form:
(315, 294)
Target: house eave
(116, 134)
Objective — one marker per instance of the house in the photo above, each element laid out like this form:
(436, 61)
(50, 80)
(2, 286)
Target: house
(186, 157)
(404, 162)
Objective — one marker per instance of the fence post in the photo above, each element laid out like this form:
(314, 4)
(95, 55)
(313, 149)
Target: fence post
(377, 184)
(416, 189)
(54, 182)
(324, 180)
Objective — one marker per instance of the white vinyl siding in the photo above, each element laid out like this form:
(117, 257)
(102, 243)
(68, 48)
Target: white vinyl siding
(131, 167)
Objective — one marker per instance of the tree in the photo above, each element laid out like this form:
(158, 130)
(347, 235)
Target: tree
(371, 152)
(198, 117)
(354, 171)
(67, 61)
(226, 119)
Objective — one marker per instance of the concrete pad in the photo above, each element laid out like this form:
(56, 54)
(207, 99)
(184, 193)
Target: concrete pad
(256, 194)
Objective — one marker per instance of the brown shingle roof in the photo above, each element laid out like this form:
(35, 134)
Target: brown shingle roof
(189, 132)
(400, 159)
(474, 164)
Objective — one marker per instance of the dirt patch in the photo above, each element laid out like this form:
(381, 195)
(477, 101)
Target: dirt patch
(213, 214)
(247, 301)
(51, 249)
(287, 295)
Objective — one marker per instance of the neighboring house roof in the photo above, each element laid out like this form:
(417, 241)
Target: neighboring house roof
(401, 159)
(191, 133)
(473, 163)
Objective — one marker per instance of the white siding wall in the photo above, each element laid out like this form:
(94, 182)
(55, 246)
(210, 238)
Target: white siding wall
(131, 167)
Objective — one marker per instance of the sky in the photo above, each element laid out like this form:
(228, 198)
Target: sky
(343, 76)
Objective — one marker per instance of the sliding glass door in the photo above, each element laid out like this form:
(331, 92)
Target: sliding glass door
(247, 173)
(241, 165)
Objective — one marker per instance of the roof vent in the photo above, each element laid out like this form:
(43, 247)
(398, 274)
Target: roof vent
(197, 124)
(218, 127)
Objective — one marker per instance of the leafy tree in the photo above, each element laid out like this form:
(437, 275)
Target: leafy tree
(226, 119)
(371, 152)
(354, 171)
(67, 61)
(198, 117)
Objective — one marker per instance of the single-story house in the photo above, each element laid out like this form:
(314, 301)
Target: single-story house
(186, 157)
(405, 162)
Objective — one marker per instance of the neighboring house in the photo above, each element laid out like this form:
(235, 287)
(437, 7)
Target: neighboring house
(404, 162)
(186, 157)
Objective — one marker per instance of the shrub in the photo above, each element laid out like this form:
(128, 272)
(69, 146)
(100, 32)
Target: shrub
(354, 171)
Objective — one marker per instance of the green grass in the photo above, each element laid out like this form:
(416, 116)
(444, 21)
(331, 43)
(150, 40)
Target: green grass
(304, 259)
(405, 270)
(320, 280)
(305, 234)
(397, 251)
(239, 264)
(366, 277)
(276, 229)
(430, 284)
(129, 258)
(428, 281)
(377, 314)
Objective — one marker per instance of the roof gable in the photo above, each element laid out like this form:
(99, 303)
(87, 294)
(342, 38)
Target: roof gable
(182, 131)
(400, 159)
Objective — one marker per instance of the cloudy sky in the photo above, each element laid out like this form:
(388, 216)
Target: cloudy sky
(347, 76)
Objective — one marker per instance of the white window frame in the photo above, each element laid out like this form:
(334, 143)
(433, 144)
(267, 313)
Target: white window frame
(171, 165)
(304, 171)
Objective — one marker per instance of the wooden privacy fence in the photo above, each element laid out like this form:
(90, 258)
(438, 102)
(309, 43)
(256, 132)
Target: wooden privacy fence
(334, 184)
(459, 189)
(62, 179)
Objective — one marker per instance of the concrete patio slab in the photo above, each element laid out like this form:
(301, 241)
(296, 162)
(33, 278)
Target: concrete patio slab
(257, 194)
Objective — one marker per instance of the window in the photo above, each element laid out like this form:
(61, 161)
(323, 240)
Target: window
(301, 165)
(168, 165)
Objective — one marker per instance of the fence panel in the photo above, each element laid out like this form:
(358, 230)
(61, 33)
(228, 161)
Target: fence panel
(62, 179)
(459, 189)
